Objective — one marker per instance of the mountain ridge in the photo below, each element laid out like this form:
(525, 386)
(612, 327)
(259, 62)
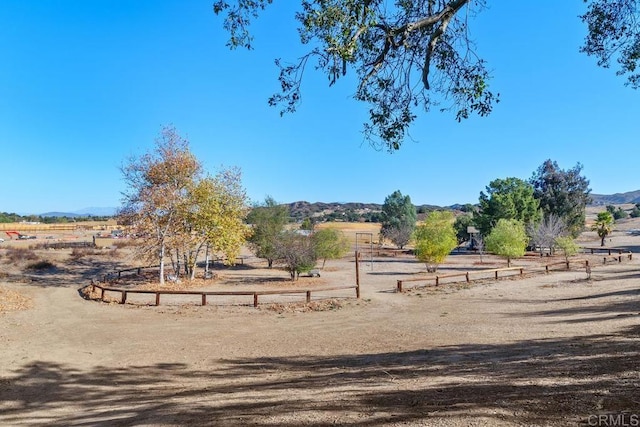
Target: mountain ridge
(302, 208)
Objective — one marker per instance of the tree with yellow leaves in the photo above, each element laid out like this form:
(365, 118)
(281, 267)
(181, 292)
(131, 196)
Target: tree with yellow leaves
(175, 210)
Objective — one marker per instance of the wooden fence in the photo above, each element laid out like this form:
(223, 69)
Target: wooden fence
(436, 279)
(494, 272)
(204, 294)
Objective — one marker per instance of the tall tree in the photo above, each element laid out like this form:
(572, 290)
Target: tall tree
(603, 225)
(268, 222)
(435, 238)
(158, 186)
(398, 219)
(563, 193)
(507, 239)
(414, 54)
(509, 198)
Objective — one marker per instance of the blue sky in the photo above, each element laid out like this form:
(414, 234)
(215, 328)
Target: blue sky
(84, 85)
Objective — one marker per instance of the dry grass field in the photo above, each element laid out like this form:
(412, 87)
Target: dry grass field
(548, 349)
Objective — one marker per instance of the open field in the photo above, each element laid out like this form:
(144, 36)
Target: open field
(554, 349)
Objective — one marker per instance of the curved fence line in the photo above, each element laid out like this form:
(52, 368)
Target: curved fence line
(204, 294)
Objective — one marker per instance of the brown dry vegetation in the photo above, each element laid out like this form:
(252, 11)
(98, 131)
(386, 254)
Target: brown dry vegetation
(544, 350)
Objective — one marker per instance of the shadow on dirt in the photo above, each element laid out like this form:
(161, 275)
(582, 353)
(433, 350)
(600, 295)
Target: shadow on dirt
(541, 382)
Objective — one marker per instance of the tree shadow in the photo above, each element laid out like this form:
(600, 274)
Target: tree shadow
(548, 381)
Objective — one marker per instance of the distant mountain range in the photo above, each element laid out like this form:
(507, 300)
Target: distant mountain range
(82, 213)
(302, 209)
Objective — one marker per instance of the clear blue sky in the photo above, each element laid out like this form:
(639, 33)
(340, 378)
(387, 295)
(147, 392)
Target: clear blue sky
(84, 85)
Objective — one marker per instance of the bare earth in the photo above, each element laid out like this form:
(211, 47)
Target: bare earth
(554, 349)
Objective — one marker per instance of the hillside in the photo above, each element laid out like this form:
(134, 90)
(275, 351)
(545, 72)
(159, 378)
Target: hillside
(615, 199)
(334, 211)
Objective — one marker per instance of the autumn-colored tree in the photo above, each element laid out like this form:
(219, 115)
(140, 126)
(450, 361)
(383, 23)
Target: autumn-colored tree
(158, 183)
(175, 210)
(217, 212)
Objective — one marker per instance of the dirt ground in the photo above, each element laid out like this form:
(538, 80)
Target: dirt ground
(549, 349)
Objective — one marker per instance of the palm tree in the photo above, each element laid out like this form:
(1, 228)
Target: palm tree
(603, 225)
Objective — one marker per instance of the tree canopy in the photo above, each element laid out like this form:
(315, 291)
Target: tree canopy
(330, 243)
(509, 198)
(398, 218)
(562, 193)
(435, 238)
(415, 55)
(507, 239)
(268, 221)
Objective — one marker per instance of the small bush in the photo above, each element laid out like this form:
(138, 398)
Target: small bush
(78, 253)
(40, 265)
(15, 255)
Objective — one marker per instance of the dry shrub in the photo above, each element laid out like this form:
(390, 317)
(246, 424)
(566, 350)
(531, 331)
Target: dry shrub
(78, 253)
(41, 265)
(113, 253)
(16, 255)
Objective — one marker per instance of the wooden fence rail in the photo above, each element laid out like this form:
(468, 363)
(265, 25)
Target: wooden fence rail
(621, 255)
(437, 278)
(603, 249)
(204, 294)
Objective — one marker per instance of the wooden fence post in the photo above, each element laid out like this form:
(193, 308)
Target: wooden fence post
(357, 274)
(124, 297)
(399, 286)
(467, 276)
(157, 298)
(308, 297)
(255, 299)
(204, 299)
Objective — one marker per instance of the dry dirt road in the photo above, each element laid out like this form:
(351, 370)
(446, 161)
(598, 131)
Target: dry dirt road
(553, 349)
